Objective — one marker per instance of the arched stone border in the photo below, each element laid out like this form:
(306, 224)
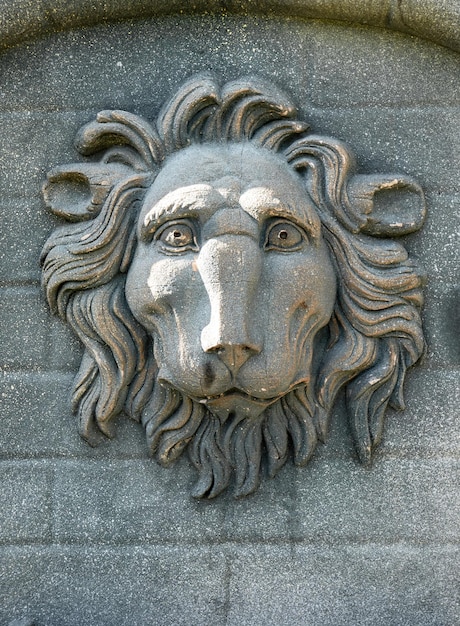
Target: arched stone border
(435, 20)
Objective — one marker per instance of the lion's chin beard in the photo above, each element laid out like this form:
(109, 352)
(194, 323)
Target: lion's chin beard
(228, 437)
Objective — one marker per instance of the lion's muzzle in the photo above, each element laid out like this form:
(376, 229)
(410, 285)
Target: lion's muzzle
(230, 268)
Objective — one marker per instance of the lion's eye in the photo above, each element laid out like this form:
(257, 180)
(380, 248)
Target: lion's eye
(179, 236)
(284, 235)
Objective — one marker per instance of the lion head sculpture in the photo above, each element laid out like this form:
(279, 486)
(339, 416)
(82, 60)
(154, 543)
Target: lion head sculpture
(228, 273)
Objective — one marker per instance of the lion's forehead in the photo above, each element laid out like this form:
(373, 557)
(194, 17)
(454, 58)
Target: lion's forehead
(194, 187)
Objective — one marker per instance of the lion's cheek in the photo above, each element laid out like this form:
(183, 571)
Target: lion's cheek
(158, 286)
(296, 300)
(168, 298)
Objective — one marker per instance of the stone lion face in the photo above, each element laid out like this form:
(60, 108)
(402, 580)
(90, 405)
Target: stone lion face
(228, 273)
(231, 277)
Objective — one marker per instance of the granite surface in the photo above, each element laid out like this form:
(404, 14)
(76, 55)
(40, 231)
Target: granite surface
(435, 20)
(104, 536)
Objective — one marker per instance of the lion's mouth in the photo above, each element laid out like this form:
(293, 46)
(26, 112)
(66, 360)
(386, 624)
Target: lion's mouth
(236, 402)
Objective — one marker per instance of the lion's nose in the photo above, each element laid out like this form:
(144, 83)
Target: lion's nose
(234, 356)
(230, 268)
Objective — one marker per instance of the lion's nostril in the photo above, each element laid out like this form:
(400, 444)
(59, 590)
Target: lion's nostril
(209, 375)
(235, 355)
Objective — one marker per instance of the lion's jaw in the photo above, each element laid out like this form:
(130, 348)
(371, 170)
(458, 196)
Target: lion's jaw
(231, 276)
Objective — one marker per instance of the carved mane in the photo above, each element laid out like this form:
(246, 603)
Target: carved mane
(375, 333)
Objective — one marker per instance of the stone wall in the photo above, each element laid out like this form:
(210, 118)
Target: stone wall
(105, 536)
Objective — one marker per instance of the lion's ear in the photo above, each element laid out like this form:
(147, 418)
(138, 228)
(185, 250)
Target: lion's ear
(78, 191)
(386, 205)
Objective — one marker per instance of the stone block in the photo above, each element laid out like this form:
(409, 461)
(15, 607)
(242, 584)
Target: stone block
(441, 23)
(25, 330)
(437, 245)
(421, 142)
(429, 426)
(388, 69)
(441, 323)
(136, 65)
(25, 494)
(383, 70)
(114, 586)
(338, 500)
(132, 501)
(66, 349)
(25, 226)
(36, 420)
(369, 584)
(32, 144)
(349, 10)
(36, 417)
(126, 501)
(396, 500)
(22, 622)
(266, 515)
(23, 18)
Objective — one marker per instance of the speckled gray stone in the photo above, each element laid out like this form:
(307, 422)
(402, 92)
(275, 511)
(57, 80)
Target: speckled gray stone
(437, 245)
(25, 514)
(37, 421)
(24, 227)
(25, 329)
(131, 502)
(365, 584)
(84, 586)
(429, 427)
(342, 77)
(430, 19)
(422, 140)
(33, 140)
(329, 544)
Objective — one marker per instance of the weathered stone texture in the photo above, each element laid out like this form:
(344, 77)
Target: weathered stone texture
(433, 19)
(356, 584)
(245, 584)
(84, 586)
(25, 514)
(25, 328)
(329, 544)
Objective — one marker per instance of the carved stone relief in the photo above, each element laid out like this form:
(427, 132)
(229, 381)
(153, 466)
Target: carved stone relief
(228, 272)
